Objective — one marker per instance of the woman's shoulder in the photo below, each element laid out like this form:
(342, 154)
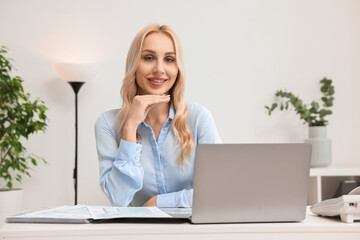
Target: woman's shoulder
(108, 119)
(111, 113)
(197, 110)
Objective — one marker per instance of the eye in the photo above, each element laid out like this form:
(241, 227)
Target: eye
(149, 58)
(169, 59)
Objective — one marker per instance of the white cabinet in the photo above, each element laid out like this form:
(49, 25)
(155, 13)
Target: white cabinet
(324, 182)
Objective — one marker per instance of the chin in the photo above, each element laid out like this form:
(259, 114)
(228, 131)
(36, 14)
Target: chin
(156, 92)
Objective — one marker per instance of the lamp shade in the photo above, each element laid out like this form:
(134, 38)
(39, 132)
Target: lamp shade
(75, 72)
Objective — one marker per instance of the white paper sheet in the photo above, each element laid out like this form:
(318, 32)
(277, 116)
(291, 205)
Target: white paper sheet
(99, 212)
(65, 212)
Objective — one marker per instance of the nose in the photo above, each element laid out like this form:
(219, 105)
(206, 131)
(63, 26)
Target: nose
(159, 67)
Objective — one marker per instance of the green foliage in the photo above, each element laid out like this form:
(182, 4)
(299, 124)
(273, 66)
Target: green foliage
(312, 114)
(19, 118)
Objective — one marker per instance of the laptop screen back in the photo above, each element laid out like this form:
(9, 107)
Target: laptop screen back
(250, 182)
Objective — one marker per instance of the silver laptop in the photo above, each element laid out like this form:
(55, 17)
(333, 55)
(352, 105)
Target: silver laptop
(249, 183)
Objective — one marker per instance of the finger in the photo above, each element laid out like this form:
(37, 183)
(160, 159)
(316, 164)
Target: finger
(149, 99)
(155, 101)
(150, 106)
(147, 110)
(151, 96)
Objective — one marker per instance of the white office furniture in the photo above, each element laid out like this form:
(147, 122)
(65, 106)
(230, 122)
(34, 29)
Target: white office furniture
(324, 182)
(313, 227)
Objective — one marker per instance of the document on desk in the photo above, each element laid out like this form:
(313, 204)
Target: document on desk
(63, 214)
(86, 214)
(99, 213)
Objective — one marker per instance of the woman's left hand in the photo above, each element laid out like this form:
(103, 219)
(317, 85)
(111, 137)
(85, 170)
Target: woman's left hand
(151, 202)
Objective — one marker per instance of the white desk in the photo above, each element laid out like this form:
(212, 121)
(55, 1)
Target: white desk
(313, 227)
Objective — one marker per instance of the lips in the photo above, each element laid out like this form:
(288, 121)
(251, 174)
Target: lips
(157, 81)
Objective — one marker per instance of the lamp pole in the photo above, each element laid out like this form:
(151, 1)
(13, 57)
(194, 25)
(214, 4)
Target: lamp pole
(76, 87)
(76, 74)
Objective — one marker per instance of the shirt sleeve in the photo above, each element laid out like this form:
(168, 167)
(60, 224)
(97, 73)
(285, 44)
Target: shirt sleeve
(181, 198)
(121, 174)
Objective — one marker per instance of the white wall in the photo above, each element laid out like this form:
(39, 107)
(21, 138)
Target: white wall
(238, 53)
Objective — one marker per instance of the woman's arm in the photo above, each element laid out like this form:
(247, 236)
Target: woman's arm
(181, 198)
(121, 174)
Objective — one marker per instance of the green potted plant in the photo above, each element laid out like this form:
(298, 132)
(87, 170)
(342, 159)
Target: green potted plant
(19, 118)
(314, 115)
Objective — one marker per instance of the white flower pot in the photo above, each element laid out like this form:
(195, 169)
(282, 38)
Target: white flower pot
(10, 203)
(321, 147)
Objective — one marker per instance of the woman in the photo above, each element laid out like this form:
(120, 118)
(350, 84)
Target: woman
(146, 149)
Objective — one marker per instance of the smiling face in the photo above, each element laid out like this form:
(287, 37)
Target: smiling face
(157, 70)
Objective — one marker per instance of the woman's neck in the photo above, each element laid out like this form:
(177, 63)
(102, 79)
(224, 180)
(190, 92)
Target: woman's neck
(158, 114)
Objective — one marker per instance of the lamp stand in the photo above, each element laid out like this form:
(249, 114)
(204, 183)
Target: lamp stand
(76, 87)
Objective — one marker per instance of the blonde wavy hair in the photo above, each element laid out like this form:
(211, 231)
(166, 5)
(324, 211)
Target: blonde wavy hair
(129, 89)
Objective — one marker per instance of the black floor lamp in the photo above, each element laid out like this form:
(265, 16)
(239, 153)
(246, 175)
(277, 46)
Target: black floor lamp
(76, 75)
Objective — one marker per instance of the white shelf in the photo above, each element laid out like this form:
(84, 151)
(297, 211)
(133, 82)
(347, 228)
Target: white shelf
(335, 171)
(324, 182)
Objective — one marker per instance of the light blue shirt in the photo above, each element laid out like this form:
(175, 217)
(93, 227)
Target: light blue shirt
(132, 173)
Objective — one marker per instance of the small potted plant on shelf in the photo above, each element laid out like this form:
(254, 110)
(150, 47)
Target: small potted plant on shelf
(314, 115)
(19, 118)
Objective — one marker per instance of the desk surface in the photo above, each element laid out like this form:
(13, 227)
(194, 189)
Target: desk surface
(313, 226)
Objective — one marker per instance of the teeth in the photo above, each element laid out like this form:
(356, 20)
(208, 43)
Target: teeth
(158, 81)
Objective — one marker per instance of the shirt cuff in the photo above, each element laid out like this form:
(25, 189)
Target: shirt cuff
(129, 151)
(174, 199)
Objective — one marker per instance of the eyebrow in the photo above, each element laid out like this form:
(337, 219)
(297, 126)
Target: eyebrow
(153, 52)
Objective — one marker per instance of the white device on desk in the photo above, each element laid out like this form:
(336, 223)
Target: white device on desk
(347, 206)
